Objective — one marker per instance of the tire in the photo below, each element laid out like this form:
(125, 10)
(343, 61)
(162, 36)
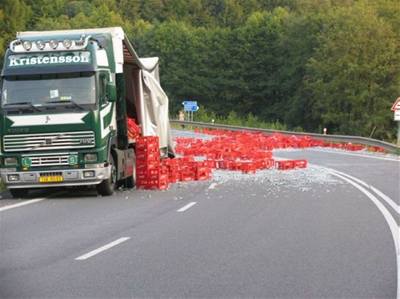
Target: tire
(19, 193)
(107, 187)
(130, 182)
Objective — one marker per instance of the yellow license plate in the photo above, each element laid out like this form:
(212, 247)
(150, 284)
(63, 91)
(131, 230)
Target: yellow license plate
(51, 179)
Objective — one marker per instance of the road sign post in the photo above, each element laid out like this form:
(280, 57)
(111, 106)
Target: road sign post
(396, 110)
(190, 107)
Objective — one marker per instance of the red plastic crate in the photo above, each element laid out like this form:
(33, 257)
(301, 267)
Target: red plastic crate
(147, 156)
(300, 163)
(248, 167)
(159, 184)
(211, 163)
(202, 173)
(285, 165)
(187, 174)
(173, 178)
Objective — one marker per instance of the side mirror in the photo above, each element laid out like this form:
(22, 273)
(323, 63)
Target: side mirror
(111, 92)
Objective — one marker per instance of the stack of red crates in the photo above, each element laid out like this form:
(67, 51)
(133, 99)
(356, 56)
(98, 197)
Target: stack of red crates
(150, 173)
(173, 168)
(134, 130)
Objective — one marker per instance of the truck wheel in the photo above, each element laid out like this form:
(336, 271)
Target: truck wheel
(107, 187)
(19, 193)
(130, 182)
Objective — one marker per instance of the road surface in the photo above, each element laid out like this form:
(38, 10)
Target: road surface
(311, 233)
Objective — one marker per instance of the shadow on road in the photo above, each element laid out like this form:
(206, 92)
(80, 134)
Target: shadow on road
(53, 193)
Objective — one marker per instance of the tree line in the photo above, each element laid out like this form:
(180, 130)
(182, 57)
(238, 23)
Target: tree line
(307, 64)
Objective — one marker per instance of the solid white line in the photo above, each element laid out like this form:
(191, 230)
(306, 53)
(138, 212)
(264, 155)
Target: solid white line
(386, 198)
(188, 206)
(354, 154)
(212, 186)
(102, 248)
(394, 228)
(24, 203)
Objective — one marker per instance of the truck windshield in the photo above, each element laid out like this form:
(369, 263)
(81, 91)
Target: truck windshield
(42, 90)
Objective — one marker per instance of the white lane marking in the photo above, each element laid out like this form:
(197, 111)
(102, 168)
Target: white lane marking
(187, 207)
(212, 186)
(28, 202)
(354, 154)
(394, 228)
(21, 204)
(386, 198)
(101, 249)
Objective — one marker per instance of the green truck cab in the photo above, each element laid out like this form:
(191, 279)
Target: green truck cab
(65, 100)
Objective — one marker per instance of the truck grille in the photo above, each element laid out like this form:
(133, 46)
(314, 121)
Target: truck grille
(48, 141)
(51, 160)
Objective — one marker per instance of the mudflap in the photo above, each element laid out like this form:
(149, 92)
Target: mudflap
(125, 160)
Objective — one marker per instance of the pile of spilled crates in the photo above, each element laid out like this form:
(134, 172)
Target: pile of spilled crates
(238, 151)
(155, 173)
(276, 140)
(243, 151)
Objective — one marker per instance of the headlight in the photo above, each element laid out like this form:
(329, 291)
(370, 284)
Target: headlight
(53, 44)
(27, 45)
(13, 177)
(67, 43)
(90, 157)
(10, 161)
(40, 44)
(88, 174)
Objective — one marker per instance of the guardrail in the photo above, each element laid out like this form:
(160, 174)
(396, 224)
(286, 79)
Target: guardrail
(389, 147)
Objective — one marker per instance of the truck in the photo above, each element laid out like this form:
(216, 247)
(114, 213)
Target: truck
(66, 96)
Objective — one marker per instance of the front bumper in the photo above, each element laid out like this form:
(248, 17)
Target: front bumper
(71, 177)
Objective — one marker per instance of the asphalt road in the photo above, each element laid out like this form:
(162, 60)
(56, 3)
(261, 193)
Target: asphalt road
(307, 233)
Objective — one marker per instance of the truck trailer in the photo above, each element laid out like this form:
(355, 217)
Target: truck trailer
(66, 98)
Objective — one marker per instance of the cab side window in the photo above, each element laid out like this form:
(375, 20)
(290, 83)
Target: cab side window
(103, 80)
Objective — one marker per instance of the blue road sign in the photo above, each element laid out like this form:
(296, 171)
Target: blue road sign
(190, 106)
(189, 103)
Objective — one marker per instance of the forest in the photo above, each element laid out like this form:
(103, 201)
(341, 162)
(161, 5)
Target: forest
(305, 64)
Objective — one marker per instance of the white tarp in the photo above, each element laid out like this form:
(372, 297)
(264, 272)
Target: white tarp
(154, 117)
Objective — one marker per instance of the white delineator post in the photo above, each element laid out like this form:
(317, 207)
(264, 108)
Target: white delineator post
(398, 132)
(396, 110)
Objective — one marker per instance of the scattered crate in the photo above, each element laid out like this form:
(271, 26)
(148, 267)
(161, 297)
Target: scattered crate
(285, 164)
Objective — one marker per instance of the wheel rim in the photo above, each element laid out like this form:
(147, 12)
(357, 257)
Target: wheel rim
(113, 174)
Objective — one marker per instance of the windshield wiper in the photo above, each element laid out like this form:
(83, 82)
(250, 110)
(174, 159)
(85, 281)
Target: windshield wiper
(23, 104)
(66, 102)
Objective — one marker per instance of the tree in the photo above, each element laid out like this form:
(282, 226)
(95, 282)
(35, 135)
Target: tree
(354, 74)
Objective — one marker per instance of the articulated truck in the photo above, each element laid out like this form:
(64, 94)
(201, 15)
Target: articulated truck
(66, 97)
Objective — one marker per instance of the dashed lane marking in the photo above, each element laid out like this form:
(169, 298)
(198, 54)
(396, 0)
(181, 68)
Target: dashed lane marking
(28, 202)
(21, 204)
(212, 186)
(102, 248)
(187, 207)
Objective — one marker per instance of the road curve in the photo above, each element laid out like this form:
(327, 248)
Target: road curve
(304, 233)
